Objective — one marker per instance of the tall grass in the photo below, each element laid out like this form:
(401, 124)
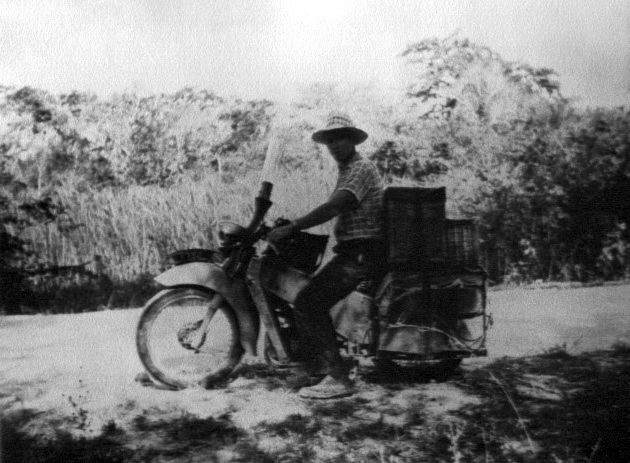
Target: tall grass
(133, 228)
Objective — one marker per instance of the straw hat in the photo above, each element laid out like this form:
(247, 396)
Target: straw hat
(339, 124)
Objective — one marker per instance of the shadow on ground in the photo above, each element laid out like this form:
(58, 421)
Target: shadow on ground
(554, 407)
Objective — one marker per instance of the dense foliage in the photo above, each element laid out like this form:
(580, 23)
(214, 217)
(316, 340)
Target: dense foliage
(103, 187)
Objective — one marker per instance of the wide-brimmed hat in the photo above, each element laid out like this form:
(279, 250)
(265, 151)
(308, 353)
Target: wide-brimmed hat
(339, 124)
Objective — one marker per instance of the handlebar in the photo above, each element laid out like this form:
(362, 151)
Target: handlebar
(264, 229)
(254, 231)
(261, 206)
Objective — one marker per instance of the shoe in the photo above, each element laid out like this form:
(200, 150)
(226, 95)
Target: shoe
(300, 378)
(309, 367)
(289, 365)
(327, 388)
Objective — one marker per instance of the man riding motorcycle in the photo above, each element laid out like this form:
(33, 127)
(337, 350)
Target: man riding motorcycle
(356, 203)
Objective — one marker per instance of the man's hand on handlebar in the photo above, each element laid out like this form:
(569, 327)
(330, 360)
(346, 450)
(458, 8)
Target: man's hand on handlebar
(280, 233)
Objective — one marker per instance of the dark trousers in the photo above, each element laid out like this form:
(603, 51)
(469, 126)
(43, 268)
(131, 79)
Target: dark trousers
(353, 263)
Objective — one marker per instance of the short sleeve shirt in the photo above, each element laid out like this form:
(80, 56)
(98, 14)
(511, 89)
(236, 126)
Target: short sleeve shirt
(361, 178)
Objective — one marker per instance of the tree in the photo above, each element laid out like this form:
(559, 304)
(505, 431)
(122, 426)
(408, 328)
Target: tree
(452, 75)
(486, 127)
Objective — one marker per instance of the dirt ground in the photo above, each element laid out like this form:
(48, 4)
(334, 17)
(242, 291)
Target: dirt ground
(553, 389)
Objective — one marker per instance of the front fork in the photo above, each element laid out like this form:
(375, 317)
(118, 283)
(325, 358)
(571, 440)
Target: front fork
(200, 334)
(267, 315)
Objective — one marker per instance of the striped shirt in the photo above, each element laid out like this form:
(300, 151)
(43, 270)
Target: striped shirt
(360, 177)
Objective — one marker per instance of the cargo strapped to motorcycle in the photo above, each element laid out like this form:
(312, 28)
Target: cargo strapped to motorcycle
(434, 278)
(414, 224)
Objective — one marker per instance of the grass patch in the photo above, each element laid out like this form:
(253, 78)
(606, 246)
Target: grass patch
(248, 451)
(620, 348)
(111, 429)
(190, 430)
(185, 435)
(63, 447)
(303, 426)
(339, 409)
(559, 351)
(372, 430)
(300, 433)
(589, 420)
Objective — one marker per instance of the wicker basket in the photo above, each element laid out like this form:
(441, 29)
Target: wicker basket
(460, 243)
(414, 221)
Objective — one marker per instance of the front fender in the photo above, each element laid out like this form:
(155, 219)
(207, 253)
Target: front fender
(235, 291)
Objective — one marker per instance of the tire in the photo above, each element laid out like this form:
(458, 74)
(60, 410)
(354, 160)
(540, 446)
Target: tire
(448, 367)
(418, 369)
(167, 318)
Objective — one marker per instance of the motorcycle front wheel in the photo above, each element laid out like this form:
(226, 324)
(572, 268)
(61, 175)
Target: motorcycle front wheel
(183, 342)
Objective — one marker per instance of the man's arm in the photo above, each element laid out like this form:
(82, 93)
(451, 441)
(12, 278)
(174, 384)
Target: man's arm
(339, 202)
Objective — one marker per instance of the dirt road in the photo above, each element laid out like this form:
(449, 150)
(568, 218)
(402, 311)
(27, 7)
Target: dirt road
(528, 321)
(83, 366)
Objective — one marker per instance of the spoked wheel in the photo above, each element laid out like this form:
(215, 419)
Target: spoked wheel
(187, 337)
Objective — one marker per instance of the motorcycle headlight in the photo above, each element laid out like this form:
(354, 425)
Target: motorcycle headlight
(230, 233)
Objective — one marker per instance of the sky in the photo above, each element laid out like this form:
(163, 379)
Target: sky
(273, 48)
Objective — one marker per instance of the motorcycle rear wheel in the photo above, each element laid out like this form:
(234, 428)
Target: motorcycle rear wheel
(444, 368)
(167, 319)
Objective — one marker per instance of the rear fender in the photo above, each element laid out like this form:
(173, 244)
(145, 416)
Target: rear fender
(212, 276)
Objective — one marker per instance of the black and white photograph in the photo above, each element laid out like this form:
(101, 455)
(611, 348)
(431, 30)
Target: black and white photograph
(349, 231)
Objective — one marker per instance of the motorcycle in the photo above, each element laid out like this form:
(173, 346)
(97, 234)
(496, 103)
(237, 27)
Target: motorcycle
(430, 308)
